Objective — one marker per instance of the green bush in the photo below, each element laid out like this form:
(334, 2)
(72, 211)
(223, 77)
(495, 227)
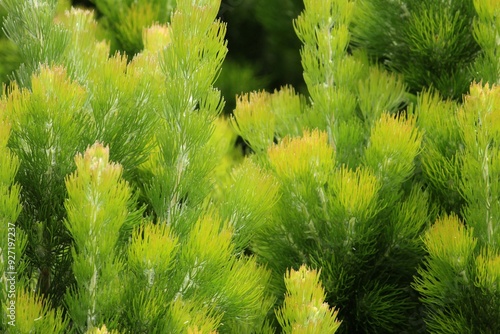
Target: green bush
(369, 205)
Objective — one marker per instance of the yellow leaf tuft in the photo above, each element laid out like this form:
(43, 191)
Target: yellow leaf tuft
(297, 157)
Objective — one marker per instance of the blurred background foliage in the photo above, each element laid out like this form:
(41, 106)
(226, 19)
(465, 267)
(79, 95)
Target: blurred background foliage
(9, 59)
(431, 45)
(263, 47)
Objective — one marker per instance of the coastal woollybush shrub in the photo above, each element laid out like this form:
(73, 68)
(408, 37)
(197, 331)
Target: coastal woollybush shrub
(369, 204)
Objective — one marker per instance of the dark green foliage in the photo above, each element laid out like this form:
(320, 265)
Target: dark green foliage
(126, 19)
(430, 42)
(261, 39)
(32, 43)
(9, 59)
(280, 42)
(454, 281)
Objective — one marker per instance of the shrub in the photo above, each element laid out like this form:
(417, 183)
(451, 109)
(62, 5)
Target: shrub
(368, 206)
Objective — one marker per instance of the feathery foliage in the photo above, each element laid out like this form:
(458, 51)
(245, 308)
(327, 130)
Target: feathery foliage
(126, 205)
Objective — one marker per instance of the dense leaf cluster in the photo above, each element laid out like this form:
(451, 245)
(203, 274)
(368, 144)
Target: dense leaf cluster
(369, 205)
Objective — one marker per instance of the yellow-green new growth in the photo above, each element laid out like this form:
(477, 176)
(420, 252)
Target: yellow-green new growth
(458, 287)
(488, 272)
(304, 310)
(479, 121)
(152, 251)
(254, 120)
(9, 192)
(98, 209)
(34, 315)
(299, 157)
(97, 201)
(356, 193)
(449, 241)
(156, 38)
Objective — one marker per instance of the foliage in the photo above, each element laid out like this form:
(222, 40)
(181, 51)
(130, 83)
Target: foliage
(355, 197)
(126, 19)
(8, 53)
(59, 108)
(459, 288)
(431, 42)
(262, 47)
(303, 310)
(369, 205)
